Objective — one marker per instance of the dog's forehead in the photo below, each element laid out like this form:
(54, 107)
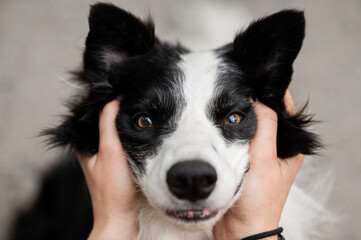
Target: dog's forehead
(199, 79)
(199, 71)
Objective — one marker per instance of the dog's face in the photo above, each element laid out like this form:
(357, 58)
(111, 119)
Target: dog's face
(186, 130)
(186, 119)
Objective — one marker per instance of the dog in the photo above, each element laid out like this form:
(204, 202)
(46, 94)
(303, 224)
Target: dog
(186, 121)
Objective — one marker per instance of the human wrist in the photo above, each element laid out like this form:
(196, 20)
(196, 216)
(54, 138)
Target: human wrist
(273, 234)
(250, 229)
(240, 229)
(261, 235)
(110, 228)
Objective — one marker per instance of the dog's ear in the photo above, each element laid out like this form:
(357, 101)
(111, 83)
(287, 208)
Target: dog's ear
(266, 51)
(114, 36)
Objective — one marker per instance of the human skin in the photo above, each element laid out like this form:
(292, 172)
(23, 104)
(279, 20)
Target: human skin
(112, 190)
(267, 184)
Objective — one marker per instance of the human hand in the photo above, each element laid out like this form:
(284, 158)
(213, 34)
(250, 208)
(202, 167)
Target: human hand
(267, 184)
(109, 180)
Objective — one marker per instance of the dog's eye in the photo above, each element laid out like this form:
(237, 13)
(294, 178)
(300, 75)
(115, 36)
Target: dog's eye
(234, 118)
(145, 121)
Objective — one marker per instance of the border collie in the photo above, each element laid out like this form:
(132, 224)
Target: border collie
(186, 121)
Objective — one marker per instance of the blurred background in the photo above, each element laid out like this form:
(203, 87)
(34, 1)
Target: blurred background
(41, 41)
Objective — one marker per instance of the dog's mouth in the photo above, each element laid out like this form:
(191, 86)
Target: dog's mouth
(192, 215)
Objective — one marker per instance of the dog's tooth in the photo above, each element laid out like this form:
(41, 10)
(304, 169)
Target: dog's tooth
(183, 214)
(198, 214)
(190, 214)
(206, 212)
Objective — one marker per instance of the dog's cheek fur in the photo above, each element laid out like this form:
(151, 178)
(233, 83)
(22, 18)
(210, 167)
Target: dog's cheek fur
(80, 130)
(292, 138)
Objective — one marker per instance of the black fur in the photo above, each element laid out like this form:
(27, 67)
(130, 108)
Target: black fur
(62, 210)
(227, 103)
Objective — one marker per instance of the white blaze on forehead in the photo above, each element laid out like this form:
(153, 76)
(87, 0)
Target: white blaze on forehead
(195, 136)
(200, 76)
(200, 73)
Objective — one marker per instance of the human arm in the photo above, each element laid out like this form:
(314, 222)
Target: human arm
(112, 190)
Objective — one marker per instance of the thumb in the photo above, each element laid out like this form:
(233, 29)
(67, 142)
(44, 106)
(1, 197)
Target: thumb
(108, 137)
(264, 144)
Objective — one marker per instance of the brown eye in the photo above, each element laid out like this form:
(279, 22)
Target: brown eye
(234, 118)
(145, 121)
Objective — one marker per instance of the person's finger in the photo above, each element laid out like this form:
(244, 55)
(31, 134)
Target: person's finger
(263, 146)
(108, 137)
(289, 103)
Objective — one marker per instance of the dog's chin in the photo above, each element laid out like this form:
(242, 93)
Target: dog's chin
(193, 219)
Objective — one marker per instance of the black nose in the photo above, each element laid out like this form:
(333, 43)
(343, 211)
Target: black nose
(191, 180)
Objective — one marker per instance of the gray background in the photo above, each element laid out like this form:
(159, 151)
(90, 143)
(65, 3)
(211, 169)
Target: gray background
(40, 41)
